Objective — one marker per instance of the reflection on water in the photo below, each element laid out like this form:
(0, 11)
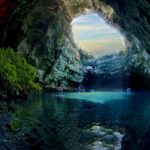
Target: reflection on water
(61, 119)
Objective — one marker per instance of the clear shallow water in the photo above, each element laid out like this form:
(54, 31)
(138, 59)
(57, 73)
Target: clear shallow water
(96, 97)
(60, 119)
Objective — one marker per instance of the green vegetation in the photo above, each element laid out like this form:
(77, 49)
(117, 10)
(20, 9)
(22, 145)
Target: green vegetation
(16, 75)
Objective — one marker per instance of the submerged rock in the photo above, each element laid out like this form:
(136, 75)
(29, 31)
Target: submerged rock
(106, 139)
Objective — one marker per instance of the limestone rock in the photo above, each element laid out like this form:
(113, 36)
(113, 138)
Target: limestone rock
(39, 31)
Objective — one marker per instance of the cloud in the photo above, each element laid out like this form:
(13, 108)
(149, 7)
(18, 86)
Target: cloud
(94, 35)
(89, 27)
(101, 47)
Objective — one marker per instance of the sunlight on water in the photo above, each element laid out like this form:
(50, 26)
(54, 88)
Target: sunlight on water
(96, 97)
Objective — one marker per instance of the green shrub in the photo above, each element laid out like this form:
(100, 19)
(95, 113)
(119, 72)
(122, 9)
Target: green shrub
(16, 72)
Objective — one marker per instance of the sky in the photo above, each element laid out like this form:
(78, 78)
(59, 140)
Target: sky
(94, 35)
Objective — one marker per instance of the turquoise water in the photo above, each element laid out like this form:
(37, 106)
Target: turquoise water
(60, 120)
(96, 97)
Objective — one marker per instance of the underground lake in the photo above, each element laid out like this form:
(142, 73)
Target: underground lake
(74, 75)
(70, 121)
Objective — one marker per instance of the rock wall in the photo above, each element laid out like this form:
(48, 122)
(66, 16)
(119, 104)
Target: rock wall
(40, 30)
(117, 71)
(107, 72)
(43, 36)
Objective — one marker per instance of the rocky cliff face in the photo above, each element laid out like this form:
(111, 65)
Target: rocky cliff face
(43, 36)
(118, 71)
(40, 30)
(106, 72)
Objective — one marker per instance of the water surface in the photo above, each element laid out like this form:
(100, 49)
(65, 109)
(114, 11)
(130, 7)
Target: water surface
(60, 119)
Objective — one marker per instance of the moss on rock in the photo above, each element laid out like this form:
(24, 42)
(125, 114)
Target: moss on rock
(16, 75)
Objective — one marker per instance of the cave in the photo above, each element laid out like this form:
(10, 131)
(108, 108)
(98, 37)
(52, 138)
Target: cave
(106, 48)
(54, 95)
(44, 36)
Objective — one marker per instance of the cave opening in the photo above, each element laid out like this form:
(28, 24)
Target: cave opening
(107, 49)
(94, 35)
